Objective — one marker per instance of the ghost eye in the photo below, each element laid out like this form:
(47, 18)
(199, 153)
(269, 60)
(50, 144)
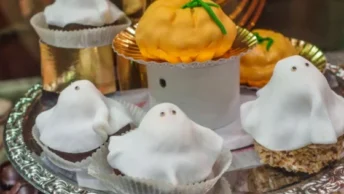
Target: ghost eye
(77, 88)
(174, 112)
(162, 114)
(307, 64)
(293, 68)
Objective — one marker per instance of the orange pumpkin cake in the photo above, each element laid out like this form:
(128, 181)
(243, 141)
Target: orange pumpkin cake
(257, 66)
(184, 31)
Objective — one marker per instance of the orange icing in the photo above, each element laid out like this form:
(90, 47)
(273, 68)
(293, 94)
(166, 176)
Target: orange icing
(257, 66)
(167, 32)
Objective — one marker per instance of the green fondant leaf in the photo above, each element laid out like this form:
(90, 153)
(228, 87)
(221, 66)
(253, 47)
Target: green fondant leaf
(207, 7)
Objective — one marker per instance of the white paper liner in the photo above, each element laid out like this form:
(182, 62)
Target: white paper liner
(136, 114)
(85, 180)
(57, 160)
(134, 111)
(195, 64)
(93, 37)
(100, 169)
(221, 187)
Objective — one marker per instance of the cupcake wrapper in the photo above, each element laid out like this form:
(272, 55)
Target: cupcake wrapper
(135, 112)
(93, 37)
(100, 169)
(57, 160)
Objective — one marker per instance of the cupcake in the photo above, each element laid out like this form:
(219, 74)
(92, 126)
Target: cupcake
(257, 66)
(185, 31)
(296, 119)
(79, 23)
(167, 153)
(71, 15)
(79, 124)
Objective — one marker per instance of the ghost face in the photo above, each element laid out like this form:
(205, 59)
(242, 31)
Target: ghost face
(165, 117)
(79, 94)
(298, 70)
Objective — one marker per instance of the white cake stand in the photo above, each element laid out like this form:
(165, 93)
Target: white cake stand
(208, 92)
(209, 96)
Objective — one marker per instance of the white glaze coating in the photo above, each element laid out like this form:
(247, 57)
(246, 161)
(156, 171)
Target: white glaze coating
(81, 120)
(295, 109)
(85, 12)
(167, 147)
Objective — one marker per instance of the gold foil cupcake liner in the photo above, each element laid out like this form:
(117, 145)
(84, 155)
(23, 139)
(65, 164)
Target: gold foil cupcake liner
(92, 37)
(124, 44)
(310, 52)
(135, 113)
(62, 66)
(100, 169)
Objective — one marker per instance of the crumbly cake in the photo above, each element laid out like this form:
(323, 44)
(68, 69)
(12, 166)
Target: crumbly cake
(266, 178)
(310, 159)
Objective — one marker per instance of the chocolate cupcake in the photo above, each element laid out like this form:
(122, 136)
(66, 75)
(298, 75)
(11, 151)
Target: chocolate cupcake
(165, 156)
(78, 15)
(79, 23)
(79, 124)
(296, 120)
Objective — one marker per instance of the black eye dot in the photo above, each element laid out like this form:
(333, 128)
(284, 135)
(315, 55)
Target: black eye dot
(77, 88)
(307, 64)
(174, 112)
(162, 82)
(293, 68)
(162, 114)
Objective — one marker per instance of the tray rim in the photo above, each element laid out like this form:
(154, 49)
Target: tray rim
(23, 160)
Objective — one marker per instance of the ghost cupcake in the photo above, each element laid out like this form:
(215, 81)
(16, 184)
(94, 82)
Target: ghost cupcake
(296, 119)
(79, 23)
(167, 153)
(257, 66)
(80, 122)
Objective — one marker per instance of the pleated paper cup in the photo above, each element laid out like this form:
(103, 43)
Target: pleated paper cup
(93, 37)
(135, 113)
(100, 169)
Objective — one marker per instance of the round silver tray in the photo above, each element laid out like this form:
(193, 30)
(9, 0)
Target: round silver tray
(24, 154)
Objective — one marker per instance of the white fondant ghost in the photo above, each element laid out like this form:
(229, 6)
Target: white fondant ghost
(296, 108)
(81, 120)
(167, 146)
(84, 12)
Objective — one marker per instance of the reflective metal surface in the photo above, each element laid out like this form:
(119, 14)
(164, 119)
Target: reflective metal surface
(124, 44)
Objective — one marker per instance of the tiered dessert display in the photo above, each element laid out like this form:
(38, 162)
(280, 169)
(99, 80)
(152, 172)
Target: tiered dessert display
(192, 61)
(182, 144)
